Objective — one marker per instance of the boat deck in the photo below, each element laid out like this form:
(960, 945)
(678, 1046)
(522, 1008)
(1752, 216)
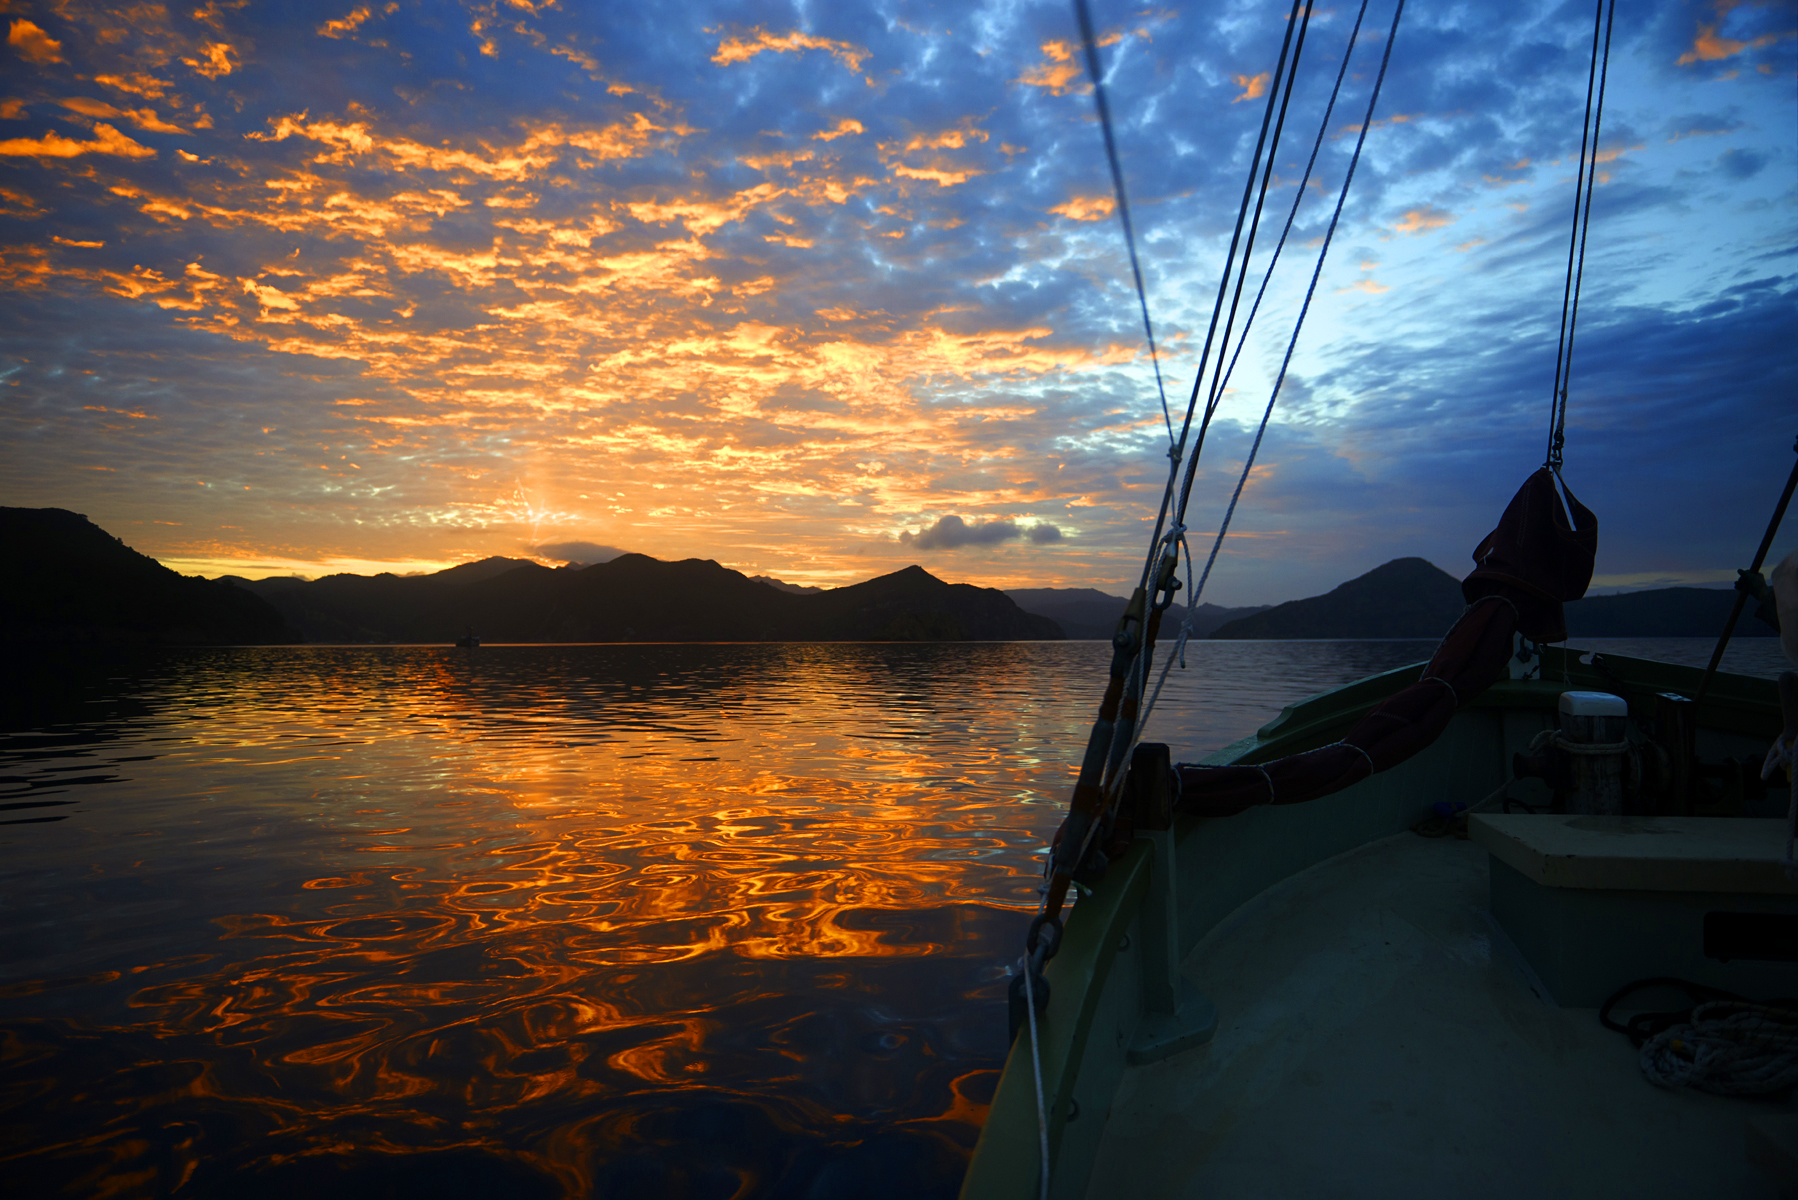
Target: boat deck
(1377, 1037)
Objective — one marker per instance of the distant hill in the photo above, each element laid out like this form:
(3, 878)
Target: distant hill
(68, 580)
(638, 598)
(1662, 612)
(1090, 613)
(1405, 598)
(1412, 598)
(803, 589)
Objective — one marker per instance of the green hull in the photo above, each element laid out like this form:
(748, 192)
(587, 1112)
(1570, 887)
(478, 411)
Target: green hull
(1096, 1012)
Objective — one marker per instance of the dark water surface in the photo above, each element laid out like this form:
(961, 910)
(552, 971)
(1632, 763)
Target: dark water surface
(620, 921)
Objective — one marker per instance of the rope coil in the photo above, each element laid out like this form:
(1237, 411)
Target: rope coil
(1729, 1048)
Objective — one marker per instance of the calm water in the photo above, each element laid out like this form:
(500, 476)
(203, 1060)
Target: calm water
(682, 921)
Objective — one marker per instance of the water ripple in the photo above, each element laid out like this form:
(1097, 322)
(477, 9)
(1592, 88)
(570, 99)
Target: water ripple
(726, 920)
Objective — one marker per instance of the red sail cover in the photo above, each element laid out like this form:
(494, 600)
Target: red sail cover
(1534, 561)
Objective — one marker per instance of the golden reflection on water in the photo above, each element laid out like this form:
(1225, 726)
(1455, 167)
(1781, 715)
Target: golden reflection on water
(548, 920)
(541, 921)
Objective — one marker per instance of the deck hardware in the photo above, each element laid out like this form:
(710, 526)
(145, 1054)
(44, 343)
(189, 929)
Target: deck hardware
(1593, 741)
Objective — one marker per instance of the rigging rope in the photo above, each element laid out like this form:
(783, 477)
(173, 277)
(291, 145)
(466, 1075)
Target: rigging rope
(1196, 591)
(1179, 650)
(1298, 17)
(1322, 128)
(1585, 183)
(1292, 342)
(1136, 633)
(1120, 734)
(1123, 201)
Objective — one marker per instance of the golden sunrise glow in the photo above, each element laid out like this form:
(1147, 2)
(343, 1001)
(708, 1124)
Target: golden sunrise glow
(770, 292)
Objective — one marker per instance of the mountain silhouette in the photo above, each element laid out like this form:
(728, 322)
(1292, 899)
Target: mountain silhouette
(68, 580)
(638, 598)
(1412, 598)
(1090, 613)
(1405, 598)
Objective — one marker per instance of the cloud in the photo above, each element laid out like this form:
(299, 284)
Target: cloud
(1741, 163)
(425, 303)
(741, 49)
(842, 128)
(1253, 86)
(143, 118)
(1420, 220)
(33, 44)
(107, 140)
(1086, 208)
(951, 533)
(1061, 66)
(346, 24)
(584, 553)
(213, 59)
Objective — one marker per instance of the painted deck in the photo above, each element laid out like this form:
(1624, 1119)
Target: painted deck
(1316, 1031)
(1377, 1038)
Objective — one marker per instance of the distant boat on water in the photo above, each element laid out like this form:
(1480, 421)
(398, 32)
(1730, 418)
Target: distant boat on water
(468, 641)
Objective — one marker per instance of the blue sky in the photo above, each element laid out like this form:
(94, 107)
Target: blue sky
(392, 286)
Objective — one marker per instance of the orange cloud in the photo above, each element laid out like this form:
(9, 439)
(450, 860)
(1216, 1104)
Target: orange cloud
(351, 138)
(938, 176)
(1086, 208)
(1253, 86)
(138, 84)
(346, 24)
(143, 118)
(1709, 46)
(107, 140)
(951, 139)
(847, 125)
(215, 59)
(1060, 66)
(741, 49)
(1420, 220)
(33, 44)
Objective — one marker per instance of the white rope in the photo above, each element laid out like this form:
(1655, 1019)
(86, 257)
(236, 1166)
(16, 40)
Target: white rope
(1730, 1048)
(1371, 769)
(1591, 749)
(1036, 1065)
(1480, 805)
(1445, 683)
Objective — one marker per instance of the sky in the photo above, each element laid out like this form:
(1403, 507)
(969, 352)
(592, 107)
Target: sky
(822, 290)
